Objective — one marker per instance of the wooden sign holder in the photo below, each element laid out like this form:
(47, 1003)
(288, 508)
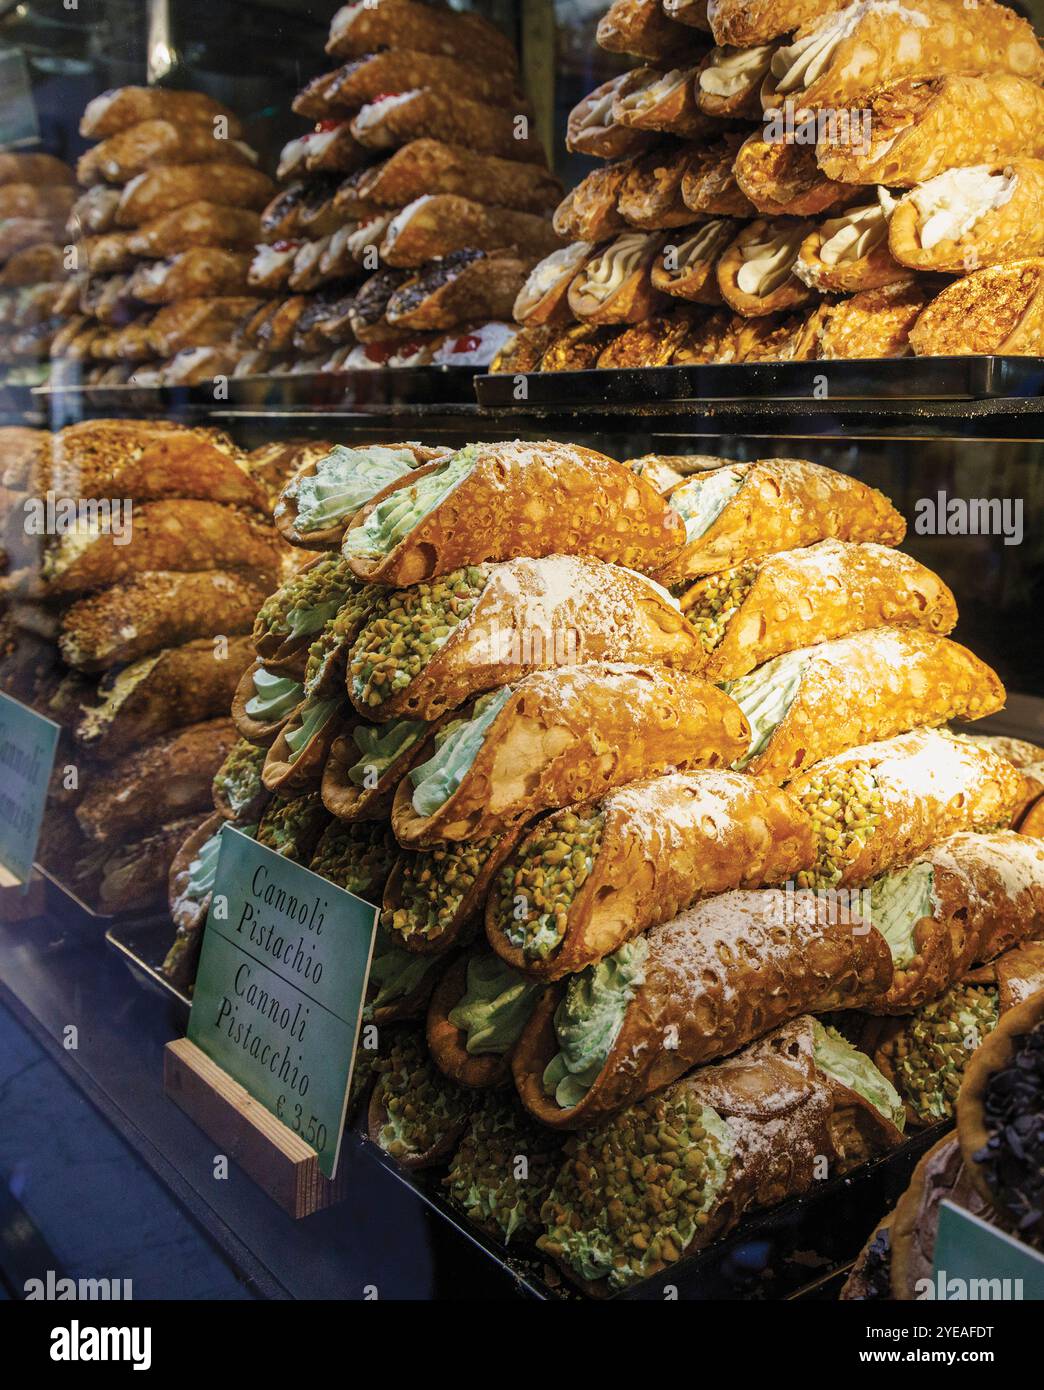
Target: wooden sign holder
(270, 1153)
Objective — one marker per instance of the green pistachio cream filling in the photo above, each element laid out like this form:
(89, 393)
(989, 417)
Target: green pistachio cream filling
(931, 1052)
(538, 886)
(274, 697)
(703, 499)
(338, 635)
(406, 630)
(394, 973)
(836, 1056)
(434, 884)
(380, 746)
(307, 602)
(765, 696)
(422, 1105)
(495, 1005)
(288, 825)
(588, 1021)
(344, 481)
(487, 1180)
(238, 779)
(898, 901)
(456, 748)
(314, 716)
(357, 856)
(392, 520)
(635, 1192)
(203, 868)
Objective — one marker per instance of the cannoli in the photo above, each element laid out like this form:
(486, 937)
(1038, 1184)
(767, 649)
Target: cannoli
(578, 348)
(510, 495)
(171, 688)
(650, 196)
(691, 12)
(430, 166)
(876, 323)
(399, 984)
(293, 827)
(475, 1018)
(194, 224)
(590, 878)
(121, 107)
(996, 310)
(165, 780)
(263, 701)
(615, 285)
(16, 233)
(709, 184)
(870, 1277)
(280, 218)
(749, 22)
(150, 460)
(190, 888)
(543, 299)
(296, 757)
(484, 1175)
(416, 1115)
(177, 535)
(1027, 757)
(400, 70)
(850, 252)
(36, 202)
(593, 128)
(198, 323)
(746, 1133)
(458, 288)
(651, 99)
(728, 81)
(998, 1119)
(365, 766)
(154, 143)
(589, 212)
(133, 877)
(154, 194)
(756, 272)
(34, 265)
(358, 858)
(744, 511)
(432, 647)
(298, 612)
(965, 219)
(780, 179)
(559, 737)
(880, 805)
(686, 265)
(769, 338)
(94, 212)
(963, 902)
(317, 504)
(33, 168)
(704, 340)
(399, 117)
(107, 254)
(201, 271)
(918, 128)
(525, 351)
(153, 610)
(816, 701)
(642, 29)
(436, 225)
(238, 791)
(369, 25)
(651, 343)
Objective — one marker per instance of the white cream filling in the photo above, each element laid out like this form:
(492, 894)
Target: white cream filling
(397, 223)
(795, 67)
(701, 246)
(654, 90)
(768, 260)
(599, 114)
(375, 111)
(853, 236)
(369, 233)
(604, 275)
(550, 272)
(730, 71)
(950, 204)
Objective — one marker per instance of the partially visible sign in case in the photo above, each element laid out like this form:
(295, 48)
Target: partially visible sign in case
(18, 122)
(27, 746)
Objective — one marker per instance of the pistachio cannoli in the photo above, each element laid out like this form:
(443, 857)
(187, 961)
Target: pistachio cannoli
(544, 298)
(295, 760)
(879, 806)
(589, 878)
(756, 272)
(190, 888)
(262, 703)
(293, 826)
(294, 617)
(593, 127)
(850, 252)
(996, 310)
(476, 1016)
(749, 510)
(399, 983)
(416, 1115)
(816, 701)
(429, 648)
(746, 1133)
(495, 501)
(614, 286)
(559, 737)
(238, 791)
(358, 858)
(365, 765)
(485, 1179)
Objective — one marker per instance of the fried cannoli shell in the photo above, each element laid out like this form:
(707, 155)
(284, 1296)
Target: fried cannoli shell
(178, 686)
(584, 610)
(524, 352)
(1006, 233)
(996, 310)
(650, 343)
(186, 913)
(695, 251)
(510, 503)
(253, 730)
(377, 1114)
(749, 67)
(134, 877)
(704, 340)
(650, 196)
(431, 166)
(343, 799)
(305, 772)
(782, 504)
(578, 732)
(788, 294)
(176, 535)
(34, 168)
(438, 224)
(397, 119)
(446, 1042)
(634, 298)
(127, 621)
(930, 786)
(919, 128)
(691, 12)
(158, 192)
(153, 143)
(544, 298)
(715, 978)
(929, 38)
(198, 323)
(367, 26)
(593, 130)
(876, 323)
(404, 69)
(988, 897)
(667, 841)
(871, 686)
(746, 23)
(1027, 757)
(121, 107)
(651, 99)
(195, 224)
(709, 184)
(781, 180)
(871, 270)
(641, 28)
(458, 289)
(589, 212)
(578, 348)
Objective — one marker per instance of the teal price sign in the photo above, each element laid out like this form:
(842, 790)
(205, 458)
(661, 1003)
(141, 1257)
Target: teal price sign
(974, 1261)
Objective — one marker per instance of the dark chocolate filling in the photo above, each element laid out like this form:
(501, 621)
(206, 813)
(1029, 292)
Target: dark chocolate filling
(1013, 1157)
(441, 272)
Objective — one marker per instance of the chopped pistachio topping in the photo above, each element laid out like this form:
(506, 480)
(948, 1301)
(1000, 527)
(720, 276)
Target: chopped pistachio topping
(845, 805)
(434, 884)
(307, 602)
(356, 856)
(634, 1193)
(711, 604)
(930, 1054)
(537, 888)
(423, 1105)
(338, 635)
(238, 779)
(289, 826)
(504, 1168)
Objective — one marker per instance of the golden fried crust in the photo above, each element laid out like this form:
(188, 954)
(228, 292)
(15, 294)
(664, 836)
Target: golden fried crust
(650, 99)
(573, 734)
(525, 350)
(294, 774)
(873, 323)
(870, 271)
(686, 267)
(36, 201)
(651, 343)
(200, 272)
(872, 686)
(997, 310)
(194, 224)
(641, 28)
(431, 166)
(439, 224)
(24, 458)
(709, 184)
(198, 323)
(511, 503)
(159, 191)
(446, 296)
(447, 1042)
(343, 799)
(262, 735)
(781, 179)
(457, 120)
(1011, 232)
(121, 107)
(716, 977)
(650, 196)
(667, 841)
(156, 142)
(401, 70)
(578, 348)
(367, 26)
(34, 168)
(747, 23)
(588, 212)
(930, 786)
(593, 130)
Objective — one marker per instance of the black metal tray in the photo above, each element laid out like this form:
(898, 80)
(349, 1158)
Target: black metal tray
(143, 943)
(868, 379)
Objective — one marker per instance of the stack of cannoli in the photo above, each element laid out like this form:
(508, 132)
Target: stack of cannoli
(828, 181)
(414, 207)
(36, 193)
(647, 766)
(147, 587)
(163, 232)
